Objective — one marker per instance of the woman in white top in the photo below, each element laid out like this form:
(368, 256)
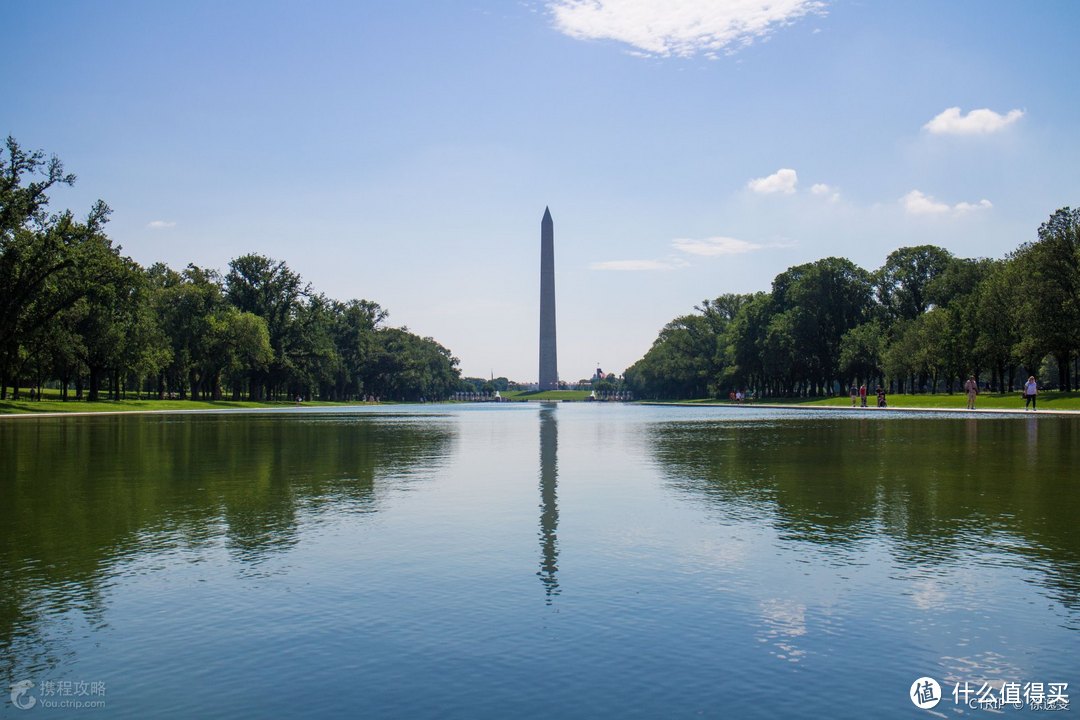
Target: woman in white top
(1030, 390)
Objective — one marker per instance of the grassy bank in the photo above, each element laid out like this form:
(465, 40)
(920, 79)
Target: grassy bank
(55, 405)
(566, 395)
(1048, 400)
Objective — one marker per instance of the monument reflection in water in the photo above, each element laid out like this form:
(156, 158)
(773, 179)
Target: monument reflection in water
(549, 501)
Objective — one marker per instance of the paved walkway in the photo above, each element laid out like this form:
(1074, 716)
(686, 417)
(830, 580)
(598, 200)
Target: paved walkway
(750, 405)
(177, 411)
(891, 408)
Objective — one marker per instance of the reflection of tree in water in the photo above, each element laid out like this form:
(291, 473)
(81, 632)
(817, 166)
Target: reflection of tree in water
(549, 506)
(935, 487)
(78, 496)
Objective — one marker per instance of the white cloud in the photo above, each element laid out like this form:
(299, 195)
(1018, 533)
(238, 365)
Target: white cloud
(782, 181)
(715, 246)
(638, 265)
(964, 207)
(706, 247)
(823, 190)
(919, 203)
(976, 122)
(159, 224)
(678, 27)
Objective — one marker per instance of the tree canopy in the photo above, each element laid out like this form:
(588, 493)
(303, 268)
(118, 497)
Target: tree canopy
(74, 310)
(924, 320)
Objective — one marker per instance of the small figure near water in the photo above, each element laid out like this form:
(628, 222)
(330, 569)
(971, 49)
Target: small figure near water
(1031, 389)
(972, 389)
(862, 395)
(854, 392)
(881, 397)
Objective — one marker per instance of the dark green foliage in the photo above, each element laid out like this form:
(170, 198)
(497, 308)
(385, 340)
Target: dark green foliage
(73, 309)
(1048, 275)
(924, 321)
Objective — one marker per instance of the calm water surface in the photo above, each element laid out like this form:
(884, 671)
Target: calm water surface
(570, 561)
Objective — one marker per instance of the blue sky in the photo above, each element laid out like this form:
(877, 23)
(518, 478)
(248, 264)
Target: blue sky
(404, 152)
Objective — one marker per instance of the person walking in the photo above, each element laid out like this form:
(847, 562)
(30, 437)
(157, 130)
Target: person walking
(972, 389)
(1031, 389)
(854, 392)
(862, 395)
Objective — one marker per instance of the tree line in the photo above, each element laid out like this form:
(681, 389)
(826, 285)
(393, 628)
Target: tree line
(925, 320)
(77, 313)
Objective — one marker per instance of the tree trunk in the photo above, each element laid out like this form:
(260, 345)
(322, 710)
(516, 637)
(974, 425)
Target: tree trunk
(1063, 371)
(95, 384)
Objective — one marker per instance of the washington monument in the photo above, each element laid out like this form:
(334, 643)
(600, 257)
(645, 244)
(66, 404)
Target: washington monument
(549, 364)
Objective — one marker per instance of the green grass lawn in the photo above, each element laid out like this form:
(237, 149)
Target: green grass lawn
(53, 404)
(545, 394)
(1048, 400)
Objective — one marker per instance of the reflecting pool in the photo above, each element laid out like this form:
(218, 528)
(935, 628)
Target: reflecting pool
(537, 561)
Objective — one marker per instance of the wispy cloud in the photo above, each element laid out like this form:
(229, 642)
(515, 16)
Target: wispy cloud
(976, 122)
(715, 246)
(964, 207)
(919, 203)
(683, 28)
(826, 191)
(783, 180)
(639, 265)
(703, 247)
(159, 224)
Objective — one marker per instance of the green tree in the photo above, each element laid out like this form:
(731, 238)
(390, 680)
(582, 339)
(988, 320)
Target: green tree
(680, 362)
(186, 303)
(957, 290)
(353, 331)
(901, 356)
(47, 262)
(105, 320)
(903, 282)
(269, 289)
(409, 367)
(745, 346)
(825, 299)
(997, 317)
(1049, 273)
(861, 352)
